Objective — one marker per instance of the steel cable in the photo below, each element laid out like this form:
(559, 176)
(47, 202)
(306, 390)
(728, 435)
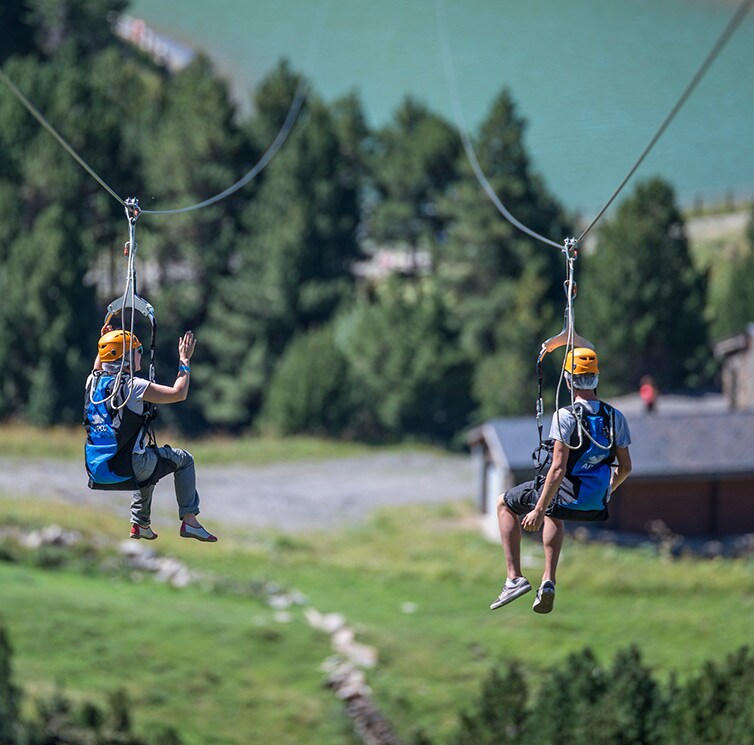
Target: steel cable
(29, 106)
(450, 75)
(729, 30)
(282, 135)
(277, 143)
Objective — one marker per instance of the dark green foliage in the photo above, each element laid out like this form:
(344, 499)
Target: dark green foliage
(630, 711)
(16, 28)
(505, 289)
(643, 302)
(292, 270)
(9, 695)
(311, 389)
(44, 26)
(415, 161)
(59, 721)
(194, 150)
(405, 362)
(716, 706)
(499, 716)
(734, 310)
(582, 703)
(567, 698)
(53, 215)
(81, 23)
(44, 316)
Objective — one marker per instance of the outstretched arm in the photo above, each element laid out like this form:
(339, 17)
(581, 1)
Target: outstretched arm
(171, 394)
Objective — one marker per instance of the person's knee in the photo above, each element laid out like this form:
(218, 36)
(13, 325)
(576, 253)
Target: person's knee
(182, 459)
(502, 507)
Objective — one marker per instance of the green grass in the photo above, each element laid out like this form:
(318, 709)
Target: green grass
(67, 443)
(219, 668)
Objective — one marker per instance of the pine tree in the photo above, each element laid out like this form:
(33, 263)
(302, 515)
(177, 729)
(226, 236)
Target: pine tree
(733, 309)
(499, 716)
(293, 269)
(717, 704)
(504, 287)
(405, 362)
(311, 390)
(631, 710)
(415, 161)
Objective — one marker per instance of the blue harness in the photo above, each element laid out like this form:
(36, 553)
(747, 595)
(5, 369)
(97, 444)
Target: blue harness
(112, 430)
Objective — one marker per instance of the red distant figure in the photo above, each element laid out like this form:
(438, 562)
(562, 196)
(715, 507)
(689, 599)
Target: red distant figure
(648, 392)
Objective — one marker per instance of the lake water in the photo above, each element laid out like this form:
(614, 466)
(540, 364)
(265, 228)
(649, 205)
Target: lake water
(594, 78)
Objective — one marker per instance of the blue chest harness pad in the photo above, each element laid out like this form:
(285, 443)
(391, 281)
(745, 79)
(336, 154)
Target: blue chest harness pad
(585, 490)
(111, 433)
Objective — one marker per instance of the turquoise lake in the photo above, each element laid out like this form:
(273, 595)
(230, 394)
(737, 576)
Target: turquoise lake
(593, 78)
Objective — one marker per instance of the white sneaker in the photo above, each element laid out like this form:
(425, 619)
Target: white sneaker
(545, 597)
(139, 531)
(512, 589)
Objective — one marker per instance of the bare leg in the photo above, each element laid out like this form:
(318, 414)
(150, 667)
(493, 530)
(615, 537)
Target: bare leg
(553, 532)
(510, 534)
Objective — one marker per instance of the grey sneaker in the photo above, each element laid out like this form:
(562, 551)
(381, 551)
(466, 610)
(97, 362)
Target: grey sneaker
(512, 589)
(545, 597)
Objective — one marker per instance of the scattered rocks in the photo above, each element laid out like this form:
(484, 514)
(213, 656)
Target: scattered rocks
(52, 535)
(349, 685)
(327, 622)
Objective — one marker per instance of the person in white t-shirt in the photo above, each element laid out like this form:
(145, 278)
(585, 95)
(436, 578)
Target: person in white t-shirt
(587, 438)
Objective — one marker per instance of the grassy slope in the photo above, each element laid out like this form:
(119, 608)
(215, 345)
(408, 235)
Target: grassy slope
(67, 443)
(250, 674)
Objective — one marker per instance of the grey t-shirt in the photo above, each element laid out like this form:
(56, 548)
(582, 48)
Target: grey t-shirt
(136, 387)
(564, 423)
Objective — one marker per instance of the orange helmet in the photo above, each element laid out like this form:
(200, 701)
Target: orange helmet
(581, 361)
(112, 345)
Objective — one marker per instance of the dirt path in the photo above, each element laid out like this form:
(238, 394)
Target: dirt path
(290, 496)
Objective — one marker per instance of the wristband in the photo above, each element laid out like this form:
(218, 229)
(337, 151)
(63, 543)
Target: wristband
(184, 368)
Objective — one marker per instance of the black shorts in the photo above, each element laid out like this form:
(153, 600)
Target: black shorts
(522, 499)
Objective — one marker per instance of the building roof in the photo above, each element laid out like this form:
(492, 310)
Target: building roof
(663, 445)
(735, 343)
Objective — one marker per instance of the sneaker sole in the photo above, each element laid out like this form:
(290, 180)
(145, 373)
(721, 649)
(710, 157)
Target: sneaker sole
(544, 602)
(510, 598)
(143, 537)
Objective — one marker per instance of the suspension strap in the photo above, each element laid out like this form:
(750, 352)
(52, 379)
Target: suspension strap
(567, 337)
(131, 300)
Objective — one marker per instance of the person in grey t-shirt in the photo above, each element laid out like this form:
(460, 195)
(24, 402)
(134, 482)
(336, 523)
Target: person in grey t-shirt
(587, 437)
(152, 463)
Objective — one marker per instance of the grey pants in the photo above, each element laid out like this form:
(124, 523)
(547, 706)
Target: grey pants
(184, 482)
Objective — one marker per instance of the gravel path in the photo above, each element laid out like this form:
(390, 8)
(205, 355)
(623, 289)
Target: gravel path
(285, 496)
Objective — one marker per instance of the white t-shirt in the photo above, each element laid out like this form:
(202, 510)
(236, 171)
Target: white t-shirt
(564, 423)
